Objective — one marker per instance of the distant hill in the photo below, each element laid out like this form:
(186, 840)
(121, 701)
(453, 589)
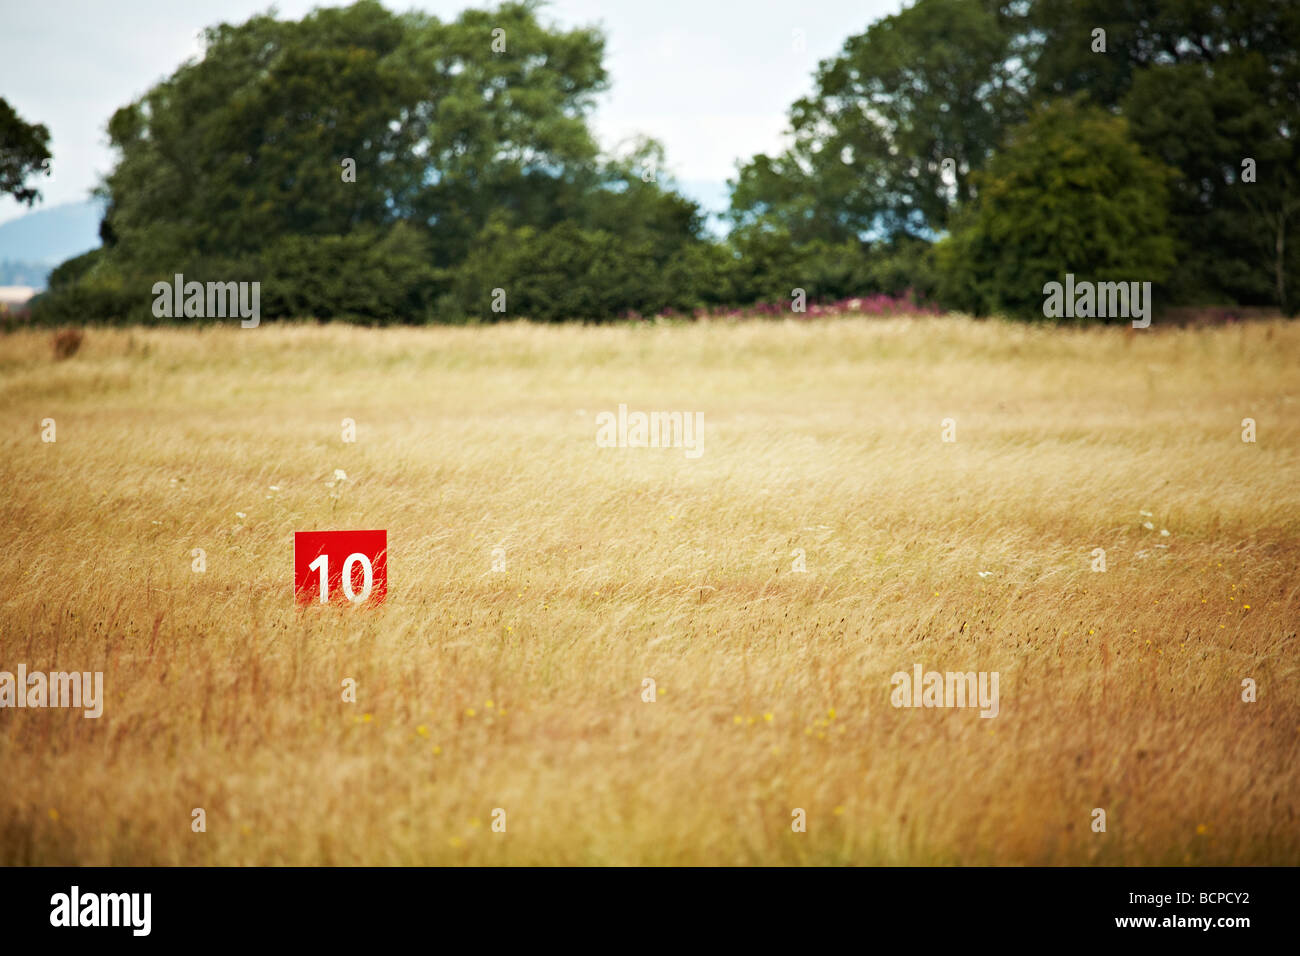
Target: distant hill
(33, 244)
(23, 273)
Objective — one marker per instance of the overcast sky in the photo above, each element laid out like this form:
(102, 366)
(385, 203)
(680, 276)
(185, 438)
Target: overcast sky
(710, 79)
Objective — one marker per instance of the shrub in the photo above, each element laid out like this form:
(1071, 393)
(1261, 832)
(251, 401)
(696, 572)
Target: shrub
(1070, 192)
(65, 343)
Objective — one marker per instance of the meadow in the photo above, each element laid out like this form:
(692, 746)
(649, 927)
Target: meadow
(522, 689)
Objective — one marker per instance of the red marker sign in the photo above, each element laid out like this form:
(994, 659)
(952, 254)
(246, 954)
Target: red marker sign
(340, 567)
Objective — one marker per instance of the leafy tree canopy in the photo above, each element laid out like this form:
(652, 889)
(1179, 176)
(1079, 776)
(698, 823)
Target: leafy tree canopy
(1069, 193)
(24, 152)
(938, 82)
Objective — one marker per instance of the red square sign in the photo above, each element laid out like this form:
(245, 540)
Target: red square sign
(340, 567)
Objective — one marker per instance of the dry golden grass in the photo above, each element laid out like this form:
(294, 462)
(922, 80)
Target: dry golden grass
(1119, 690)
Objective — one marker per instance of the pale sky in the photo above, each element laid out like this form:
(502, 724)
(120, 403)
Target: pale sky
(710, 79)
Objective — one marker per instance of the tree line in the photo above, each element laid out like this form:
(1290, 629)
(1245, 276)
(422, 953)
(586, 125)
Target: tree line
(382, 168)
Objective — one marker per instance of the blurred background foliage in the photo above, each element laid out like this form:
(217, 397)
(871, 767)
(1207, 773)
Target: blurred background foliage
(967, 151)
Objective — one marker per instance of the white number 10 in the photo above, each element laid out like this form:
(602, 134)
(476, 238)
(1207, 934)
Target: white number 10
(321, 564)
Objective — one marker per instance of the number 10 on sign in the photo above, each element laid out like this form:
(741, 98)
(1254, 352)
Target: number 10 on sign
(340, 567)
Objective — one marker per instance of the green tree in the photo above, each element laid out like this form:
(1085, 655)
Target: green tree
(1141, 34)
(24, 152)
(1069, 192)
(1205, 85)
(234, 166)
(938, 82)
(1220, 220)
(247, 143)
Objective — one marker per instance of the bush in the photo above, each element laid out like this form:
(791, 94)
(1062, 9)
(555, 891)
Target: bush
(66, 343)
(371, 275)
(74, 269)
(97, 298)
(568, 272)
(1070, 192)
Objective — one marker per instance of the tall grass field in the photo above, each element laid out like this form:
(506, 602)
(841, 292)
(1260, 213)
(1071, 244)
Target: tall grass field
(626, 655)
